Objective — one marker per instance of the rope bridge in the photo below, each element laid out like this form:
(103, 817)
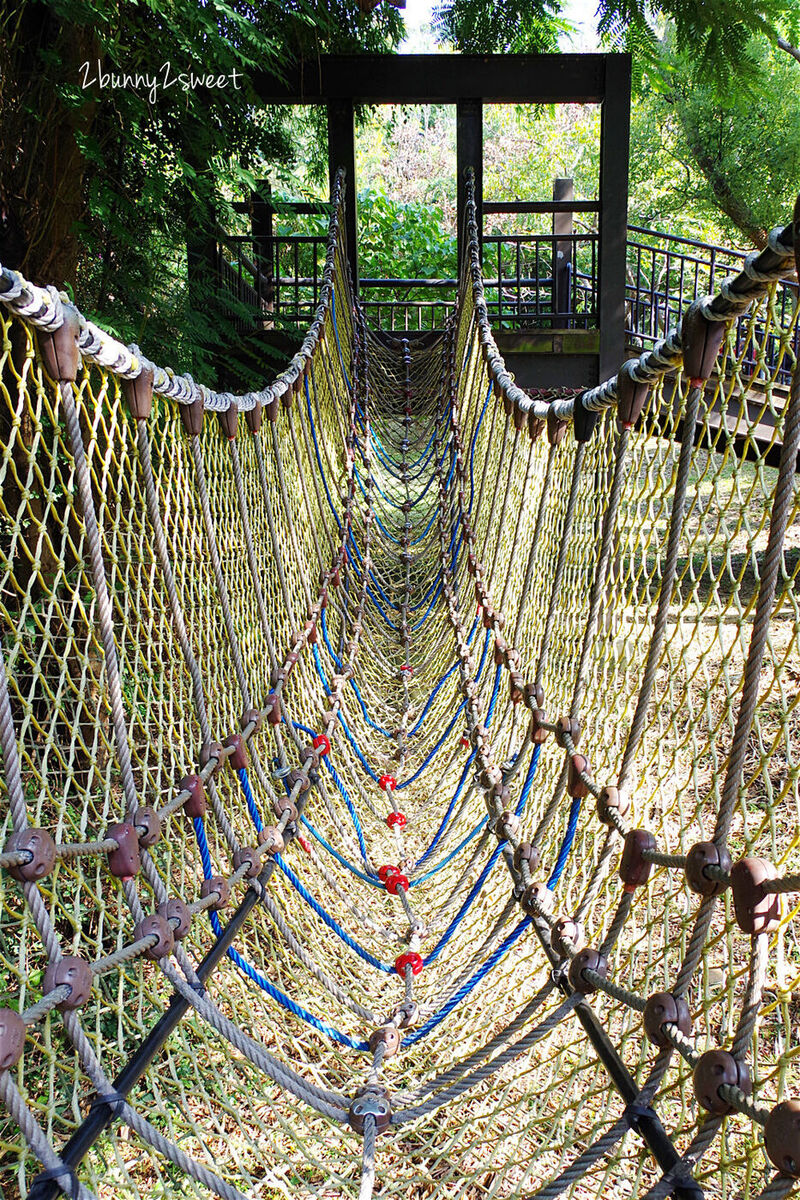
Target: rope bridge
(401, 767)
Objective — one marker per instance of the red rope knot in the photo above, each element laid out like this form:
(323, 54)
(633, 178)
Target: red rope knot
(409, 959)
(397, 820)
(387, 783)
(394, 882)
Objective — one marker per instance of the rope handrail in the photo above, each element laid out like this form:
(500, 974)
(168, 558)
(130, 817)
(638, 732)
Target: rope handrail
(491, 685)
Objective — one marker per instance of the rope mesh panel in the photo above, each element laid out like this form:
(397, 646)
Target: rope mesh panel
(394, 477)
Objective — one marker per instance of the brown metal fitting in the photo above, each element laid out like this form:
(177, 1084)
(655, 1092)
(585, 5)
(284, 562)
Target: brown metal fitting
(238, 759)
(516, 687)
(782, 1137)
(634, 869)
(254, 717)
(160, 926)
(631, 395)
(584, 960)
(76, 973)
(584, 421)
(253, 418)
(250, 857)
(556, 428)
(479, 733)
(388, 1036)
(570, 726)
(271, 408)
(501, 794)
(714, 1068)
(272, 838)
(536, 897)
(534, 695)
(565, 935)
(295, 777)
(508, 404)
(507, 825)
(126, 860)
(311, 633)
(195, 806)
(577, 766)
(526, 852)
(274, 714)
(59, 347)
(538, 733)
(208, 751)
(42, 849)
(520, 417)
(374, 1102)
(612, 799)
(662, 1008)
(139, 394)
(148, 826)
(700, 856)
(757, 911)
(283, 805)
(535, 426)
(12, 1038)
(192, 417)
(406, 1014)
(491, 777)
(700, 341)
(229, 421)
(309, 754)
(219, 886)
(175, 910)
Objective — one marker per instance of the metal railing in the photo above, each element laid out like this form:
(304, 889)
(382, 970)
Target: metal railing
(666, 273)
(532, 281)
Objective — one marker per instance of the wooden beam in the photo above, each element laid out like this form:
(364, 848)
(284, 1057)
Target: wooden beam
(440, 79)
(563, 195)
(615, 120)
(469, 153)
(342, 153)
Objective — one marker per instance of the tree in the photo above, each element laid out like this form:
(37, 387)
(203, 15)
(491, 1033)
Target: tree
(108, 156)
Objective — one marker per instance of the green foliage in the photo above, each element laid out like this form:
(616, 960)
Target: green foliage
(718, 167)
(403, 240)
(101, 179)
(514, 26)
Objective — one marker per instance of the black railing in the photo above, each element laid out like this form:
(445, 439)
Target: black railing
(666, 273)
(542, 281)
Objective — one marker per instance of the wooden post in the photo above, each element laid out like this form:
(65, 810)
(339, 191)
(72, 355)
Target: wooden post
(261, 226)
(469, 153)
(563, 189)
(342, 153)
(615, 122)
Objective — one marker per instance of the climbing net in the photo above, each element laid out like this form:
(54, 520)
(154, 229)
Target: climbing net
(401, 767)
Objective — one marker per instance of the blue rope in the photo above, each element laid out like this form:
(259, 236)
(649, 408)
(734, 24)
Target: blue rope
(329, 920)
(252, 807)
(465, 907)
(256, 976)
(468, 986)
(566, 845)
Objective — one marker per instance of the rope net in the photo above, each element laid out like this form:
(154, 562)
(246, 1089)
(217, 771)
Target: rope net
(452, 729)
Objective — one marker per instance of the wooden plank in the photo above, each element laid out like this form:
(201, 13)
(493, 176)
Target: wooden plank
(440, 79)
(563, 193)
(469, 153)
(614, 150)
(540, 206)
(342, 153)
